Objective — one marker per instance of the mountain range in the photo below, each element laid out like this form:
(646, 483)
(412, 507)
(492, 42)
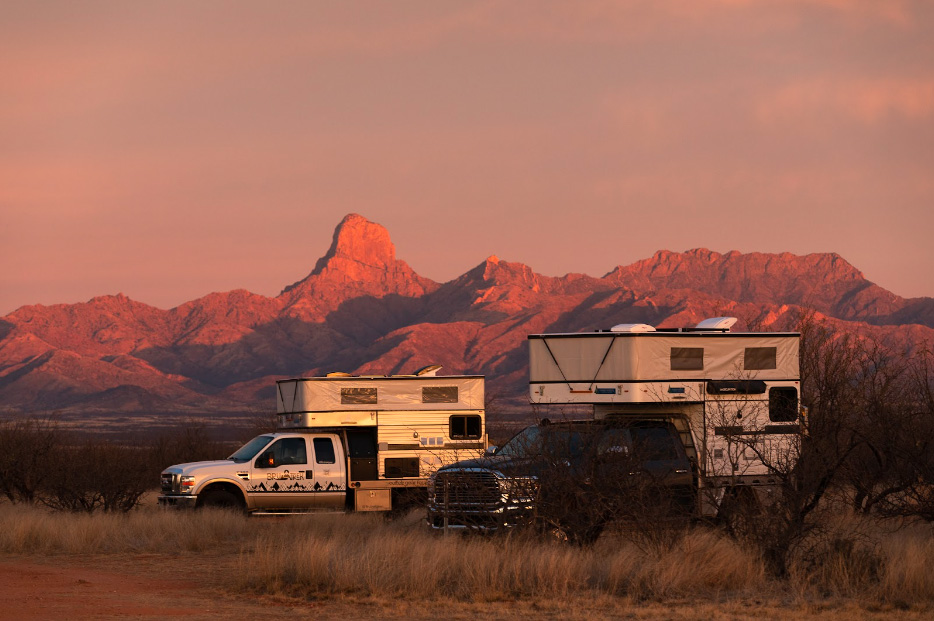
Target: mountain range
(362, 310)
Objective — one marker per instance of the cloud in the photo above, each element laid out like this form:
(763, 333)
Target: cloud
(865, 101)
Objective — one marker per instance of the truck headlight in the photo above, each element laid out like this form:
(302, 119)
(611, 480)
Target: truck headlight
(520, 488)
(186, 484)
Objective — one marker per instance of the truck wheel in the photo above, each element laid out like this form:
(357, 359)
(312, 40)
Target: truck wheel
(220, 499)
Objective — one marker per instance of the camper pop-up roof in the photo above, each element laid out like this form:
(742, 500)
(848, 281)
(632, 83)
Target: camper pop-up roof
(639, 363)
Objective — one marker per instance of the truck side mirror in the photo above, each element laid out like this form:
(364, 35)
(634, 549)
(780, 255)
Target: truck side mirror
(266, 460)
(490, 450)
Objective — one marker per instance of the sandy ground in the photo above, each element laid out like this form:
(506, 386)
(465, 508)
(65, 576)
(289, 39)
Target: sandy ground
(200, 587)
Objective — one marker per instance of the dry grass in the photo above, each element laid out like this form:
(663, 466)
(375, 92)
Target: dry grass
(36, 531)
(362, 556)
(908, 574)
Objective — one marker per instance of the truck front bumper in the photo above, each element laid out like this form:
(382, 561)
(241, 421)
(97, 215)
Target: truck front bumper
(178, 501)
(487, 518)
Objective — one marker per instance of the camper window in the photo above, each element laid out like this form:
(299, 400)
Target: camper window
(759, 358)
(358, 396)
(465, 427)
(687, 358)
(397, 467)
(439, 394)
(783, 405)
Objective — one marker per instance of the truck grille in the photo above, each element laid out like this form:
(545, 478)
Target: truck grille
(462, 489)
(169, 483)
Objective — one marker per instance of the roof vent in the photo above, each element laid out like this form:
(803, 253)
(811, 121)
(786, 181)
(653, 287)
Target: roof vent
(716, 323)
(632, 327)
(429, 371)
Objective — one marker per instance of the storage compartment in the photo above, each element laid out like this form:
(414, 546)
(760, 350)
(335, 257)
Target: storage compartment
(372, 500)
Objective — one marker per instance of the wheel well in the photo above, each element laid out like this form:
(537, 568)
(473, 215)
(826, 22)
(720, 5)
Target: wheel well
(222, 487)
(405, 499)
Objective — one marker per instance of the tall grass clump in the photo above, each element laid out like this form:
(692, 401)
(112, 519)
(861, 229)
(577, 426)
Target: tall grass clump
(366, 557)
(28, 529)
(908, 574)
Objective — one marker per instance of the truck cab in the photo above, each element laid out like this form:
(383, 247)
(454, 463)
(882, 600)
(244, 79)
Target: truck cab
(573, 476)
(275, 471)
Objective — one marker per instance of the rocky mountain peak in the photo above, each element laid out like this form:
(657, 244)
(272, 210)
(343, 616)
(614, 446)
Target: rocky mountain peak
(360, 262)
(358, 240)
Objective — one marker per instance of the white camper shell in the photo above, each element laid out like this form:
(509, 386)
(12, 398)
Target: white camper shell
(734, 396)
(420, 422)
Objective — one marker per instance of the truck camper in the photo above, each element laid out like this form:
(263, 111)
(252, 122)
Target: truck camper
(719, 406)
(343, 442)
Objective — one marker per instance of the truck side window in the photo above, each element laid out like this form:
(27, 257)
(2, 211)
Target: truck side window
(783, 405)
(464, 427)
(614, 442)
(324, 451)
(289, 451)
(653, 443)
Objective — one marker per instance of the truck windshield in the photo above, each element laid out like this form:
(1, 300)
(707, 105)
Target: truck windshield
(522, 444)
(534, 442)
(249, 450)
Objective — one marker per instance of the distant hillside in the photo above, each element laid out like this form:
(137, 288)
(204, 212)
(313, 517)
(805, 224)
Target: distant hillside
(362, 310)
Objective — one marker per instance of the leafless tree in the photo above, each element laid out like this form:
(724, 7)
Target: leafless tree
(96, 475)
(26, 446)
(868, 436)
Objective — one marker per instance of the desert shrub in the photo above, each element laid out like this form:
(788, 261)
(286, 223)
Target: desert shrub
(96, 475)
(41, 462)
(26, 446)
(868, 438)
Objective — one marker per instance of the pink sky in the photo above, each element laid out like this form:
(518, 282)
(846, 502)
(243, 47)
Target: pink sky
(167, 150)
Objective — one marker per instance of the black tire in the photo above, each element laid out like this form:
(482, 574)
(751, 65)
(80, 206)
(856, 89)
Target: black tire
(220, 499)
(404, 501)
(582, 535)
(587, 536)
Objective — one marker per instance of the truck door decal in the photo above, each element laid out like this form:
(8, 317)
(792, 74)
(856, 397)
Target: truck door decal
(286, 452)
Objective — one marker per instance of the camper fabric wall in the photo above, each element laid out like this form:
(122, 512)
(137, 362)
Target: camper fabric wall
(610, 358)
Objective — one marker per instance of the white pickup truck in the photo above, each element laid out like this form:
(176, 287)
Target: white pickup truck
(363, 443)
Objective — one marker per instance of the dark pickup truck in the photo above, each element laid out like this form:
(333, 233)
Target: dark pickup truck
(568, 478)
